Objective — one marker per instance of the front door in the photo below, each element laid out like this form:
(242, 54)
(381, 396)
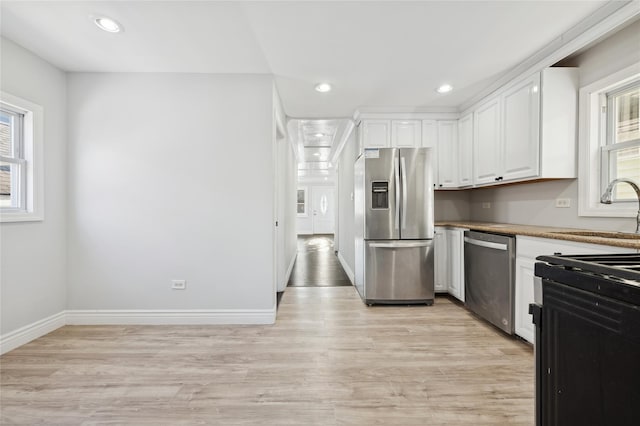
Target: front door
(322, 209)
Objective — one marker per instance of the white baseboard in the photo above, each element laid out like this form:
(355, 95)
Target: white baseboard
(172, 317)
(24, 335)
(346, 267)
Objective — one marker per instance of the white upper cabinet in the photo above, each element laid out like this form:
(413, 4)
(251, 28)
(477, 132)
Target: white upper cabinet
(465, 150)
(528, 130)
(430, 140)
(558, 139)
(487, 144)
(376, 133)
(447, 154)
(406, 133)
(520, 126)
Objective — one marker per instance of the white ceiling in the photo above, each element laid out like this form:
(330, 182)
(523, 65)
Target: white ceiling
(374, 53)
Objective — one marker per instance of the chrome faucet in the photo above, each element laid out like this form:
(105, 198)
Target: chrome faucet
(606, 197)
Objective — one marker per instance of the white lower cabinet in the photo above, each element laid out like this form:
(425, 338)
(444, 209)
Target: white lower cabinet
(527, 249)
(449, 261)
(523, 297)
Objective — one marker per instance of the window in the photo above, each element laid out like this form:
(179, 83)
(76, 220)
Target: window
(21, 178)
(12, 162)
(609, 143)
(620, 154)
(302, 201)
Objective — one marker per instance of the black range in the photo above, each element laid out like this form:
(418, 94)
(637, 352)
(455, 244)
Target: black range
(588, 340)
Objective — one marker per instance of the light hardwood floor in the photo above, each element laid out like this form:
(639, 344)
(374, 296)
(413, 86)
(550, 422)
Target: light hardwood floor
(329, 360)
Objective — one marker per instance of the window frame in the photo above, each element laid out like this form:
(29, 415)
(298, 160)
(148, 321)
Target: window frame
(18, 180)
(608, 144)
(31, 192)
(592, 134)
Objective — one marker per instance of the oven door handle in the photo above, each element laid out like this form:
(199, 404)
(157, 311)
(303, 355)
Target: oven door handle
(486, 244)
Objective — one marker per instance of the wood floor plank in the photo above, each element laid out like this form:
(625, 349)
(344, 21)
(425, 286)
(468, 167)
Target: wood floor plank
(328, 360)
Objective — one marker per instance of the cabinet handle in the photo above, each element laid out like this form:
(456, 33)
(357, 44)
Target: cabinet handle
(440, 185)
(557, 253)
(497, 179)
(500, 178)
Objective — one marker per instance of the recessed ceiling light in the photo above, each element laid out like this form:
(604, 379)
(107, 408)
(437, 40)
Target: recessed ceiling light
(445, 88)
(107, 24)
(323, 87)
(319, 135)
(317, 154)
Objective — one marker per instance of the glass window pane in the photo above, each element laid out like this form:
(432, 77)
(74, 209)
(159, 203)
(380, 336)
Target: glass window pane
(8, 182)
(301, 196)
(625, 163)
(301, 208)
(6, 140)
(627, 106)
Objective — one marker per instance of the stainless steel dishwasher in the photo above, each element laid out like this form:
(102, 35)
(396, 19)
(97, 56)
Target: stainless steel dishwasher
(489, 277)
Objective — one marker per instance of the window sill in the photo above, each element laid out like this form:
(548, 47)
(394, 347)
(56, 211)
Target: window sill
(9, 217)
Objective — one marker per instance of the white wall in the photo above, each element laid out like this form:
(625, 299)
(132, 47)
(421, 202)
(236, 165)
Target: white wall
(534, 204)
(452, 205)
(33, 254)
(346, 225)
(612, 54)
(170, 177)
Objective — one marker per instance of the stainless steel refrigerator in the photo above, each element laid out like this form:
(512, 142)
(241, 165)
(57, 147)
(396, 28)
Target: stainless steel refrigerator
(393, 195)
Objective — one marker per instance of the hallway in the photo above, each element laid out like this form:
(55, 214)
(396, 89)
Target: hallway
(317, 265)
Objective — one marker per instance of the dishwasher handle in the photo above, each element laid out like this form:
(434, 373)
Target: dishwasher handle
(486, 244)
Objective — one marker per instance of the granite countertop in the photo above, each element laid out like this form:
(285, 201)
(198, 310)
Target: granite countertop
(591, 236)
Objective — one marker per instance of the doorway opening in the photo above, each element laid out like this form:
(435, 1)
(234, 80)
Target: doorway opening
(318, 145)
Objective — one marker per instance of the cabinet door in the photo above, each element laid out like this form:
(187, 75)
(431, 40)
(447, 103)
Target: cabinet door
(456, 263)
(406, 133)
(521, 130)
(430, 140)
(440, 260)
(465, 150)
(376, 133)
(486, 150)
(447, 154)
(523, 297)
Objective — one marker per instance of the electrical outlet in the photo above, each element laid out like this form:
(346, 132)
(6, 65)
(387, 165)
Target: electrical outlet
(486, 205)
(563, 203)
(178, 284)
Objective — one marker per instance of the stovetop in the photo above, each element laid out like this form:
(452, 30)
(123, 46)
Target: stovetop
(612, 275)
(624, 266)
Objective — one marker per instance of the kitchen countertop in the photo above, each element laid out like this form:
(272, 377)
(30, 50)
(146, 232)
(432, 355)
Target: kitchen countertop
(546, 232)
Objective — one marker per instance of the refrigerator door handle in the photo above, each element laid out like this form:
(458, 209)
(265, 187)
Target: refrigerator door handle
(396, 166)
(403, 167)
(401, 245)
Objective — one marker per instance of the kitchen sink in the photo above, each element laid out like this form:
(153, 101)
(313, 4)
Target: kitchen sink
(602, 234)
